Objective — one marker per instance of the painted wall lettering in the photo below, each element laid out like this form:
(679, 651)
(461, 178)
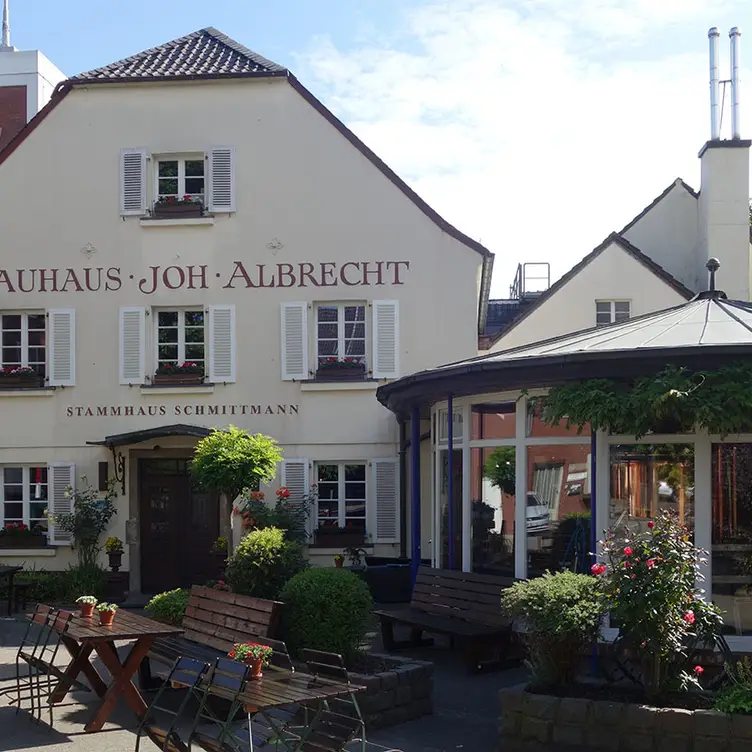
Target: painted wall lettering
(241, 276)
(144, 411)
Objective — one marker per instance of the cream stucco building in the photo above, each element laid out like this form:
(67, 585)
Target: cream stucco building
(307, 248)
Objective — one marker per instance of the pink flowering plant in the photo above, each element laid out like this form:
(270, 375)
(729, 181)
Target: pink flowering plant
(288, 513)
(648, 583)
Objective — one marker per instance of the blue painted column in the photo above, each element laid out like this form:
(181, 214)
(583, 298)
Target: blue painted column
(415, 493)
(593, 486)
(450, 480)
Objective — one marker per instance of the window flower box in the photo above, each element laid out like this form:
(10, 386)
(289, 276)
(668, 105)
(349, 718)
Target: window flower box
(339, 537)
(18, 535)
(174, 374)
(347, 369)
(171, 207)
(20, 377)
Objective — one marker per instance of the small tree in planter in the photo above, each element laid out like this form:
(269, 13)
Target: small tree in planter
(649, 587)
(227, 461)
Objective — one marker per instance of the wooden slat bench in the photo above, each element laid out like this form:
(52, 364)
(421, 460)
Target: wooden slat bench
(463, 605)
(214, 621)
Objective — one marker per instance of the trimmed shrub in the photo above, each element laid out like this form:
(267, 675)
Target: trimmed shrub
(562, 613)
(263, 562)
(168, 607)
(60, 588)
(326, 609)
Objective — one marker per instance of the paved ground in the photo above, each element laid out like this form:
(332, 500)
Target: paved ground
(465, 716)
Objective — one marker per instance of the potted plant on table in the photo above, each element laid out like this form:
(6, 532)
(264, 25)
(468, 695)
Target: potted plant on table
(106, 613)
(114, 548)
(252, 654)
(87, 603)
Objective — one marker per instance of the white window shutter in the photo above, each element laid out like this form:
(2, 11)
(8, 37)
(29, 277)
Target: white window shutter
(61, 328)
(60, 477)
(132, 345)
(294, 341)
(385, 356)
(132, 182)
(384, 500)
(222, 343)
(295, 477)
(222, 179)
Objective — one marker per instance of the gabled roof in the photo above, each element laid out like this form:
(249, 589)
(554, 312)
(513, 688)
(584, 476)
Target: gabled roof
(677, 183)
(209, 54)
(206, 52)
(623, 243)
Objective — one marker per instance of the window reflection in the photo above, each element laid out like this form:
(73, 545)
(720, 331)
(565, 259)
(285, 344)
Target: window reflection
(732, 534)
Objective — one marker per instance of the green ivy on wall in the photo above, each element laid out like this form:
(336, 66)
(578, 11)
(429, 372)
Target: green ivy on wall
(672, 401)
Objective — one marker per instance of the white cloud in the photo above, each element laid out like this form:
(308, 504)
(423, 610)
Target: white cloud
(537, 127)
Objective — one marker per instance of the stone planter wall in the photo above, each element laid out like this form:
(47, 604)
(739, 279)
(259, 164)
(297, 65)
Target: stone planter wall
(393, 697)
(535, 722)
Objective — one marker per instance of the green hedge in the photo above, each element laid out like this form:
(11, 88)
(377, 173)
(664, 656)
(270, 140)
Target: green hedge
(168, 607)
(64, 587)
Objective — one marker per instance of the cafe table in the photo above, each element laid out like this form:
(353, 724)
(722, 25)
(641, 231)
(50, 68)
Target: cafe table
(7, 573)
(85, 637)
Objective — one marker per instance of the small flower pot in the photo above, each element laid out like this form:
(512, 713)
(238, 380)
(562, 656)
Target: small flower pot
(255, 664)
(116, 560)
(106, 618)
(338, 563)
(87, 610)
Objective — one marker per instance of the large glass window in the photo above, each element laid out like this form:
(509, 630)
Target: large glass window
(557, 508)
(647, 479)
(493, 420)
(732, 534)
(492, 496)
(340, 333)
(181, 178)
(342, 495)
(23, 340)
(23, 493)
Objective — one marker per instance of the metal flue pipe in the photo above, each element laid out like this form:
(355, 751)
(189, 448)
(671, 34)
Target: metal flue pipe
(715, 113)
(734, 35)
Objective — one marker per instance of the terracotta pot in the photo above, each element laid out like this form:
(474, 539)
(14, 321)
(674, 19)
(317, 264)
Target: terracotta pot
(338, 563)
(106, 618)
(87, 610)
(255, 664)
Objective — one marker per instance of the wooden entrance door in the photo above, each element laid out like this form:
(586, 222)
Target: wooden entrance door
(179, 523)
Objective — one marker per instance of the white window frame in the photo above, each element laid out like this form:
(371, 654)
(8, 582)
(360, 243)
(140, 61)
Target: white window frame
(340, 306)
(26, 491)
(181, 334)
(25, 338)
(181, 159)
(342, 500)
(612, 311)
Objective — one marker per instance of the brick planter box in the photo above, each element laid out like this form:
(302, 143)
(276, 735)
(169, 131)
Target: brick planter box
(401, 694)
(535, 722)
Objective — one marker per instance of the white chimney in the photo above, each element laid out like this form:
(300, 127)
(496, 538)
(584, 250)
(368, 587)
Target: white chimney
(724, 189)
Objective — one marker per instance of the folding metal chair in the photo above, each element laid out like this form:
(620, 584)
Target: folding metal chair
(38, 632)
(224, 682)
(338, 721)
(186, 673)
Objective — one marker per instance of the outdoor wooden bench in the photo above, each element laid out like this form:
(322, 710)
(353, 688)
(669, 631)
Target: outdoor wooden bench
(463, 605)
(214, 621)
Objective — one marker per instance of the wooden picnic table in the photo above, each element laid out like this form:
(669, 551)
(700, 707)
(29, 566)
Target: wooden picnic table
(7, 573)
(85, 636)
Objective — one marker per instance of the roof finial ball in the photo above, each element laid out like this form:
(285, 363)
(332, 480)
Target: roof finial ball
(712, 266)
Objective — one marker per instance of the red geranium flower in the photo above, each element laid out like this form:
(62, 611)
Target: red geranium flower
(689, 617)
(628, 551)
(699, 670)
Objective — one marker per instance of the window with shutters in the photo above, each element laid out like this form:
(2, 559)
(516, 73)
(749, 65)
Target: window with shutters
(180, 343)
(180, 189)
(341, 341)
(23, 354)
(23, 493)
(611, 311)
(342, 493)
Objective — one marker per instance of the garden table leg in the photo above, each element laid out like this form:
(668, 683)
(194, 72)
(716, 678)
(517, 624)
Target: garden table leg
(122, 680)
(79, 664)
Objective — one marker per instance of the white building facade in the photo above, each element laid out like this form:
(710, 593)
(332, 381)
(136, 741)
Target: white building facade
(217, 215)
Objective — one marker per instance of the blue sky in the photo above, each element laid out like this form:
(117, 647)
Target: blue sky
(535, 126)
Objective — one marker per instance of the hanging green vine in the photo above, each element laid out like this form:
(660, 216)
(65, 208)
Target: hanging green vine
(672, 401)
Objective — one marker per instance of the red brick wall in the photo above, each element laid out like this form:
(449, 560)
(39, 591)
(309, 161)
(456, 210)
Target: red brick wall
(12, 112)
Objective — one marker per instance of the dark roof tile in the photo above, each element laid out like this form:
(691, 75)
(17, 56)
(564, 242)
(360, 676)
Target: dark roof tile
(206, 52)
